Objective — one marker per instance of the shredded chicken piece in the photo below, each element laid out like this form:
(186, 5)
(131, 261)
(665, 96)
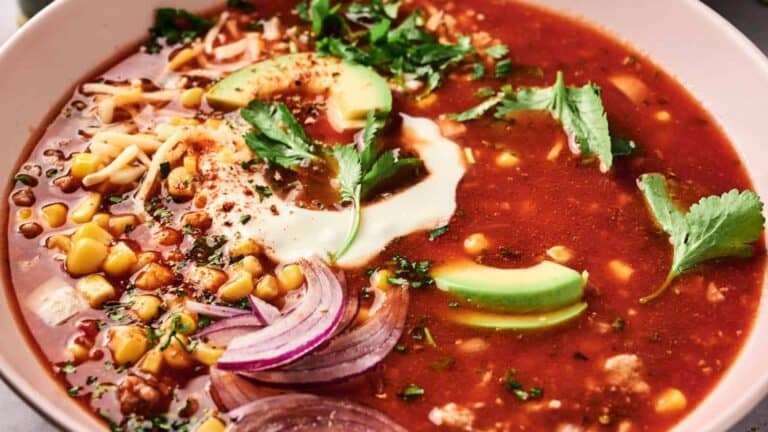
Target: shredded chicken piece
(231, 50)
(154, 169)
(213, 33)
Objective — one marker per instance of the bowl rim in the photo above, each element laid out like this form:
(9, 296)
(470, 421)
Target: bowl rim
(60, 419)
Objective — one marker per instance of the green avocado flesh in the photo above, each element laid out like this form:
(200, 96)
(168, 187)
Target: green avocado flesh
(544, 287)
(353, 90)
(538, 321)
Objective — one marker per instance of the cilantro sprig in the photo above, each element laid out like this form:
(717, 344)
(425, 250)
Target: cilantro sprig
(176, 26)
(579, 109)
(715, 227)
(360, 173)
(279, 138)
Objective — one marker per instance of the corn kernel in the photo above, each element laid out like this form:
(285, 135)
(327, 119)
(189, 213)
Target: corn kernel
(191, 98)
(144, 258)
(120, 261)
(92, 231)
(84, 164)
(475, 244)
(155, 276)
(380, 279)
(621, 270)
(101, 219)
(663, 116)
(181, 183)
(560, 254)
(119, 225)
(267, 288)
(211, 425)
(175, 354)
(55, 215)
(185, 323)
(77, 352)
(427, 101)
(207, 278)
(207, 354)
(152, 361)
(86, 208)
(290, 277)
(507, 160)
(96, 289)
(127, 343)
(244, 247)
(85, 256)
(146, 307)
(190, 164)
(24, 214)
(252, 265)
(238, 287)
(670, 401)
(59, 242)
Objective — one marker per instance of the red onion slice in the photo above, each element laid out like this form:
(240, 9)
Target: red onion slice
(230, 391)
(264, 311)
(213, 311)
(351, 353)
(222, 332)
(300, 412)
(305, 328)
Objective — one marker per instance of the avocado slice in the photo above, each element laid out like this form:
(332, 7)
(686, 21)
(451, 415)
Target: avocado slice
(544, 287)
(353, 90)
(537, 321)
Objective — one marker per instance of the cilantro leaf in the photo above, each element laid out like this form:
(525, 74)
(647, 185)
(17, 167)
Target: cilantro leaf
(361, 172)
(715, 227)
(324, 18)
(503, 68)
(622, 146)
(175, 26)
(478, 71)
(476, 111)
(579, 109)
(280, 138)
(497, 51)
(376, 11)
(437, 232)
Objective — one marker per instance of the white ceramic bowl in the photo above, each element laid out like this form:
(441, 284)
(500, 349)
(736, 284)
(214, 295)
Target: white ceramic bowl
(40, 65)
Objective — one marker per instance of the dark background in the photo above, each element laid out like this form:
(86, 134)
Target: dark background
(750, 16)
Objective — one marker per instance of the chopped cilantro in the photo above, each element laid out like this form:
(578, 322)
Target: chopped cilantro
(715, 227)
(74, 391)
(101, 389)
(413, 273)
(51, 172)
(476, 111)
(208, 250)
(485, 92)
(410, 392)
(165, 170)
(244, 219)
(25, 179)
(68, 368)
(438, 232)
(503, 68)
(497, 51)
(478, 71)
(115, 199)
(175, 26)
(622, 146)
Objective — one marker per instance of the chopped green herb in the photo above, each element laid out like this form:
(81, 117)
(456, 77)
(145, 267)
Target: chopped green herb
(413, 273)
(280, 138)
(485, 92)
(497, 51)
(503, 68)
(263, 191)
(478, 110)
(74, 391)
(51, 172)
(438, 232)
(101, 389)
(715, 227)
(68, 368)
(410, 392)
(25, 179)
(400, 348)
(622, 146)
(208, 250)
(165, 170)
(244, 219)
(478, 71)
(175, 26)
(115, 199)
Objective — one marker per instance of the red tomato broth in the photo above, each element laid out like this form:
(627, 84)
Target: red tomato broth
(526, 210)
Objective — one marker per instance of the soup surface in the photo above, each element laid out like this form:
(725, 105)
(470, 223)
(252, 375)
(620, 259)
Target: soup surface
(157, 206)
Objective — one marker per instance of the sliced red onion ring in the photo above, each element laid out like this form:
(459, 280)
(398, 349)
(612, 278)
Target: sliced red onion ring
(264, 311)
(351, 353)
(222, 332)
(214, 311)
(353, 305)
(305, 328)
(298, 412)
(230, 391)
